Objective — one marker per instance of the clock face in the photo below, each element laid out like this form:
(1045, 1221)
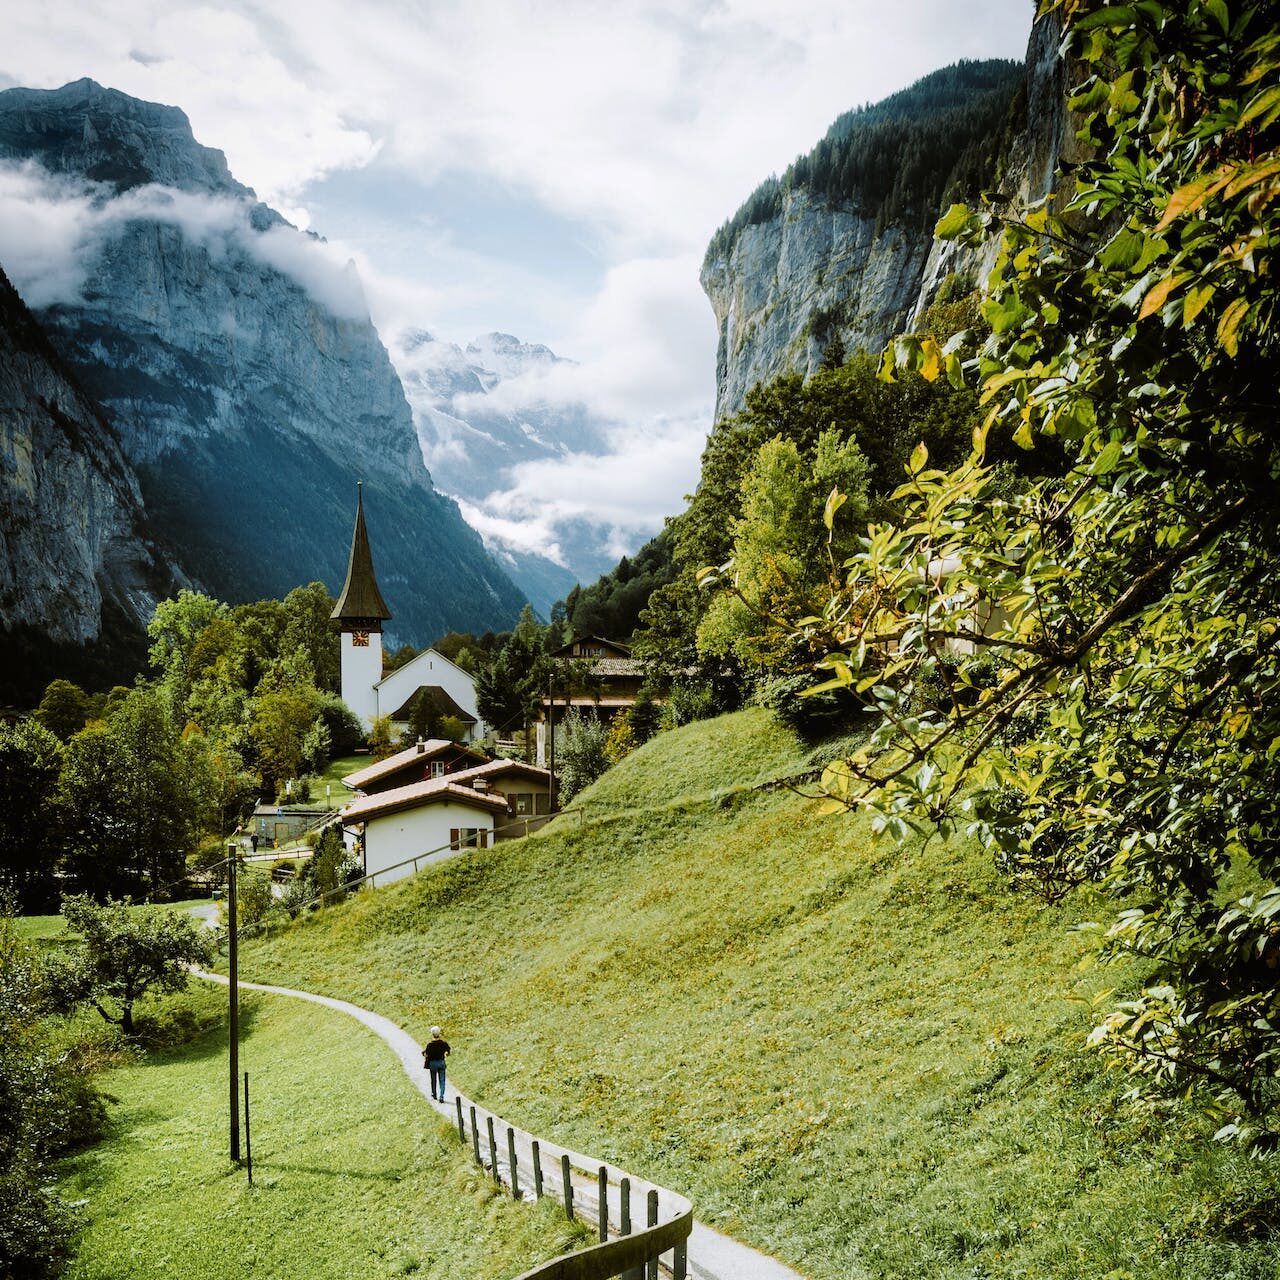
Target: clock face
(360, 639)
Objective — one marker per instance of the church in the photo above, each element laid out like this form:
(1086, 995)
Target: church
(360, 613)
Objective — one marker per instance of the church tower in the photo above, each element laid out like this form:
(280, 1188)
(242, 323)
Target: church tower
(360, 613)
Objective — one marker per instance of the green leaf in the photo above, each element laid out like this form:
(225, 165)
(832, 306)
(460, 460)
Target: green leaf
(1121, 15)
(1266, 103)
(1194, 303)
(1229, 326)
(835, 501)
(1105, 462)
(952, 223)
(1123, 250)
(1217, 9)
(919, 456)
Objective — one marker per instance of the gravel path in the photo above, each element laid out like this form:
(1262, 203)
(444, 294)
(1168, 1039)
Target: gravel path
(712, 1256)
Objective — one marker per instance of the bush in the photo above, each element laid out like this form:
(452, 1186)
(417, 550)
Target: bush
(581, 755)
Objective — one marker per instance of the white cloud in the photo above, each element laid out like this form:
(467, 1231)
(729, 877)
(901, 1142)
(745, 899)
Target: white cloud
(626, 494)
(52, 227)
(42, 230)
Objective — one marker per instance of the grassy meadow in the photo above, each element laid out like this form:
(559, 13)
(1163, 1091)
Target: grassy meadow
(863, 1058)
(354, 1175)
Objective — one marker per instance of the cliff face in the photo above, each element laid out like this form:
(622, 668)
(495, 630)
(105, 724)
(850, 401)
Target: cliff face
(237, 362)
(785, 287)
(80, 576)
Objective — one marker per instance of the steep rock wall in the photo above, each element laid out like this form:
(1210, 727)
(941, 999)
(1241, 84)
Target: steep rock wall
(788, 286)
(241, 370)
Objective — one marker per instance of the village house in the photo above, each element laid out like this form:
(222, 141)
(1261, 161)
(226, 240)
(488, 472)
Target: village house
(426, 759)
(599, 675)
(403, 828)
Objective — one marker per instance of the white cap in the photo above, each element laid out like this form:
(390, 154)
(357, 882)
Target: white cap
(435, 1033)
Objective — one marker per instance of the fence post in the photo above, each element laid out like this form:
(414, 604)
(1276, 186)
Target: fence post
(475, 1138)
(511, 1160)
(680, 1264)
(462, 1128)
(568, 1186)
(604, 1204)
(635, 1273)
(653, 1222)
(493, 1150)
(537, 1170)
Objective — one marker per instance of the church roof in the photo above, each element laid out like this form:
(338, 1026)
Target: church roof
(360, 598)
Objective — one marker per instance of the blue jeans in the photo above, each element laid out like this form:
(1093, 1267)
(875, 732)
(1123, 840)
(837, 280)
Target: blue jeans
(436, 1070)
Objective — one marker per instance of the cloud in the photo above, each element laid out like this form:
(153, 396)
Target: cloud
(624, 495)
(51, 228)
(42, 230)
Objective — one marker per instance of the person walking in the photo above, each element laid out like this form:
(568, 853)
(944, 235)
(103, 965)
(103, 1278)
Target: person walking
(433, 1056)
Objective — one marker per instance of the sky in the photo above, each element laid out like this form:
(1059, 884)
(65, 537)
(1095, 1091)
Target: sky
(547, 168)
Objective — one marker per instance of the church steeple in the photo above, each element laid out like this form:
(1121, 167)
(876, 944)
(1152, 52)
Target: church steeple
(360, 605)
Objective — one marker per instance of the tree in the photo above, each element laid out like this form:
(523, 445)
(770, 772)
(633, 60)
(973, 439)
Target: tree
(308, 627)
(30, 761)
(125, 953)
(130, 797)
(63, 709)
(282, 722)
(781, 565)
(1110, 710)
(175, 628)
(510, 688)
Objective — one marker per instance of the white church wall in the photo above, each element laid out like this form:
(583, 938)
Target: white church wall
(361, 671)
(430, 668)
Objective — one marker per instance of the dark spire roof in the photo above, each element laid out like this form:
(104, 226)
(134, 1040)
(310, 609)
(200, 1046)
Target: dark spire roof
(360, 599)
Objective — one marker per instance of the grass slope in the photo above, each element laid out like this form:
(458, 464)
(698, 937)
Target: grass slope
(353, 1175)
(863, 1058)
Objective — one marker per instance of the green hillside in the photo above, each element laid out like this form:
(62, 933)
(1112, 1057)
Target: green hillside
(353, 1175)
(863, 1058)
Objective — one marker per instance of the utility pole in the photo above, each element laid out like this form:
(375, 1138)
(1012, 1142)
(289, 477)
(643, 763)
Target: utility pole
(233, 854)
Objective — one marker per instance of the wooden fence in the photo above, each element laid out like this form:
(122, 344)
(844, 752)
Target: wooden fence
(629, 1246)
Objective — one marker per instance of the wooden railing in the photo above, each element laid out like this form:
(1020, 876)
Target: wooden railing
(602, 1195)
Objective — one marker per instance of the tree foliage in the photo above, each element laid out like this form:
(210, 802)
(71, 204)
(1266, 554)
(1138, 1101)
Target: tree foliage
(1105, 641)
(30, 762)
(125, 953)
(897, 160)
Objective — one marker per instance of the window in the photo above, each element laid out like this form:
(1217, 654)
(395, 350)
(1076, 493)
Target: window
(468, 837)
(437, 769)
(523, 801)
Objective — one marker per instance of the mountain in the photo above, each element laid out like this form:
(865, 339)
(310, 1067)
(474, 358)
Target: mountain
(80, 574)
(480, 412)
(236, 360)
(839, 255)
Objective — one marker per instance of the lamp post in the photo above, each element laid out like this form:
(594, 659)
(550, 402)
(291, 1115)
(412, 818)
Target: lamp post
(233, 856)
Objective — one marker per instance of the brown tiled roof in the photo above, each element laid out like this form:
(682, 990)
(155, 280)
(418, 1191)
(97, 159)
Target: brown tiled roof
(496, 768)
(433, 747)
(360, 599)
(616, 667)
(432, 791)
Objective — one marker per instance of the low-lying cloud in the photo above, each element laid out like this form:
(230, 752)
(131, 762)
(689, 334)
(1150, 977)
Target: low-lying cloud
(53, 228)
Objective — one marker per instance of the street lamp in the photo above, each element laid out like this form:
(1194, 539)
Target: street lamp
(233, 856)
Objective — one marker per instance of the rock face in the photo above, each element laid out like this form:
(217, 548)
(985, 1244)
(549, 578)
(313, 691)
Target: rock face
(783, 288)
(80, 575)
(236, 359)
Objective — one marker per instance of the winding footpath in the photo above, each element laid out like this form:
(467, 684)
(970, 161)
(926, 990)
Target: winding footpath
(712, 1256)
